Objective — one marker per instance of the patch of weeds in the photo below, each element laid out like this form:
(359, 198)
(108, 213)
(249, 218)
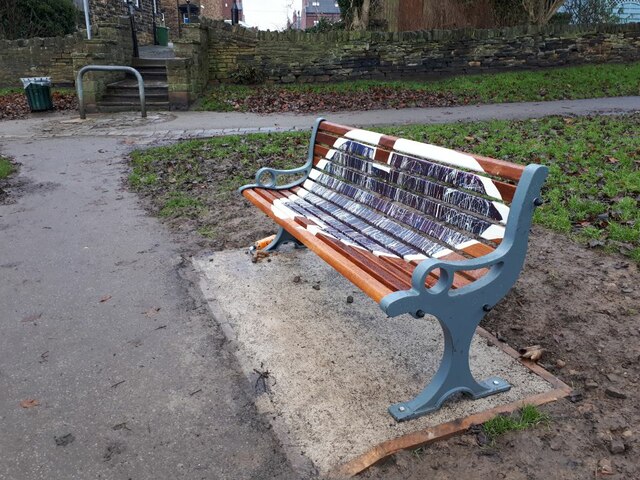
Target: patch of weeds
(6, 168)
(527, 417)
(418, 452)
(179, 204)
(207, 231)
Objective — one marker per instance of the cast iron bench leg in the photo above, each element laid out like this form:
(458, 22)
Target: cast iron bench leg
(281, 238)
(453, 375)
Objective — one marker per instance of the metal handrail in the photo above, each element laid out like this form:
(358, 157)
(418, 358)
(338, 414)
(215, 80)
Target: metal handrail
(108, 68)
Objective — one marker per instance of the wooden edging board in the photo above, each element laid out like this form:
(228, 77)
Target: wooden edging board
(460, 425)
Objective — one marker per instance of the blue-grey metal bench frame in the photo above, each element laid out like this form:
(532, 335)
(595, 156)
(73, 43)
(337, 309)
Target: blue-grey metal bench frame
(420, 229)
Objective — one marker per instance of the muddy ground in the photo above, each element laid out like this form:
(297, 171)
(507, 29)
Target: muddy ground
(581, 305)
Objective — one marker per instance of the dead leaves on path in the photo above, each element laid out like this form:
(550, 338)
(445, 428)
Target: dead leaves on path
(29, 403)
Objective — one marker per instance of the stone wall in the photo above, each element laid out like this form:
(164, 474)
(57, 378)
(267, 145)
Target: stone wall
(188, 74)
(111, 45)
(61, 57)
(38, 57)
(105, 11)
(295, 56)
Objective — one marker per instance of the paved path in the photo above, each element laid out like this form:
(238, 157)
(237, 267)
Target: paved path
(177, 125)
(100, 324)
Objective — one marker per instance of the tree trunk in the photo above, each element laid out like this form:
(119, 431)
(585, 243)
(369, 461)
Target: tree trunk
(541, 11)
(360, 15)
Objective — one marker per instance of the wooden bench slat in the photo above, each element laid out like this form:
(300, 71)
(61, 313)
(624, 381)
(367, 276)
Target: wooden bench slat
(489, 165)
(461, 278)
(377, 177)
(393, 272)
(365, 282)
(420, 242)
(407, 202)
(374, 239)
(369, 263)
(443, 174)
(403, 269)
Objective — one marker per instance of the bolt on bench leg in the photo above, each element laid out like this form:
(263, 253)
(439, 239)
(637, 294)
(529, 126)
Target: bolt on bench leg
(453, 375)
(281, 238)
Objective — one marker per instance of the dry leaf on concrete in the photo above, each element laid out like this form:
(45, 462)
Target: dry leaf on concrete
(29, 403)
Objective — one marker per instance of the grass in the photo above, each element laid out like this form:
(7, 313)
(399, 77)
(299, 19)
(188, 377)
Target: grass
(586, 81)
(592, 193)
(6, 168)
(11, 90)
(528, 416)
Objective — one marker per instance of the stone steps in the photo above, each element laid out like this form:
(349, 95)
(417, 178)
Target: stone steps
(123, 95)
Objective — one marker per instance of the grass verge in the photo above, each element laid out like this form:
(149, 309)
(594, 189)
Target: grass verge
(527, 417)
(586, 81)
(592, 193)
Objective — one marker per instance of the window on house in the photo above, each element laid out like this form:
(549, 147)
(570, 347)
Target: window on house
(315, 22)
(135, 3)
(315, 4)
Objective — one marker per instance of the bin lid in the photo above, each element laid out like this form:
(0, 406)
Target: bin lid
(36, 80)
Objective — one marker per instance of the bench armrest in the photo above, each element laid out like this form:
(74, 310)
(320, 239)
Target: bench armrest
(272, 174)
(504, 263)
(449, 268)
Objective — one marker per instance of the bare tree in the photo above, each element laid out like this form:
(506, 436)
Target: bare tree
(360, 14)
(541, 11)
(589, 12)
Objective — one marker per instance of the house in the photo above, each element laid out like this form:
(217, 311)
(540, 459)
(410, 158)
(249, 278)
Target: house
(628, 12)
(314, 10)
(177, 12)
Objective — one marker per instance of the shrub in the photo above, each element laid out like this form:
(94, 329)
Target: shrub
(247, 75)
(37, 18)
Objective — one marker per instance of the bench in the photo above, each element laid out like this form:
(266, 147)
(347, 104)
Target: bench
(418, 228)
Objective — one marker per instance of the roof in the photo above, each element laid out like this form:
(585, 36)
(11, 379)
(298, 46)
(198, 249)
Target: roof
(628, 12)
(321, 6)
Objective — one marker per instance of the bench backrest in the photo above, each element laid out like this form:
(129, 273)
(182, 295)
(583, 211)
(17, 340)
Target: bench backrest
(454, 202)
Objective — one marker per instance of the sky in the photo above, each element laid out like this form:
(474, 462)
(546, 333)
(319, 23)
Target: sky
(269, 14)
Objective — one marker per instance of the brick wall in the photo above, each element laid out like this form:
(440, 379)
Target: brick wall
(295, 56)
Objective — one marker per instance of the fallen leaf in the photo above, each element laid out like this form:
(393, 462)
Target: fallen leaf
(29, 403)
(32, 318)
(533, 353)
(611, 159)
(151, 312)
(106, 298)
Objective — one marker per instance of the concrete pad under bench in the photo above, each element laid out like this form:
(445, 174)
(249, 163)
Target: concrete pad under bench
(334, 367)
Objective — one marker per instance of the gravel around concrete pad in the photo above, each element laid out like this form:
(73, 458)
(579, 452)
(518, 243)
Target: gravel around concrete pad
(333, 366)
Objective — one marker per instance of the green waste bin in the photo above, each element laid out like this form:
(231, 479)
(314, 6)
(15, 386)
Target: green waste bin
(162, 36)
(38, 92)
